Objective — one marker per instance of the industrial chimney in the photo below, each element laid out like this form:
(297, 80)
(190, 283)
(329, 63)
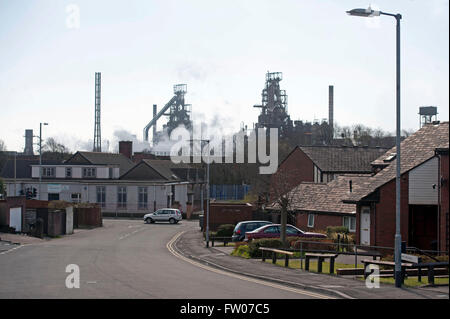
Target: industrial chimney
(28, 150)
(154, 126)
(331, 108)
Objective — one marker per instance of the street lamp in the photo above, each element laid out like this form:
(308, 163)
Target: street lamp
(40, 157)
(398, 239)
(207, 190)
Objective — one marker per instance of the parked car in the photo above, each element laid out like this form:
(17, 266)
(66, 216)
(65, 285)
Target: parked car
(243, 227)
(170, 215)
(273, 231)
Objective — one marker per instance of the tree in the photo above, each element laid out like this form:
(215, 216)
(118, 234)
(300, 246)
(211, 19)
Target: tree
(2, 146)
(52, 150)
(2, 188)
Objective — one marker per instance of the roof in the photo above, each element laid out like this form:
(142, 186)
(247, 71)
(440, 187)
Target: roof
(328, 197)
(22, 167)
(165, 170)
(98, 158)
(343, 159)
(415, 150)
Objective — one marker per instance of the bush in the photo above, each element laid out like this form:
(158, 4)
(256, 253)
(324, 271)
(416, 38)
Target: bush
(336, 229)
(314, 244)
(269, 243)
(225, 230)
(241, 251)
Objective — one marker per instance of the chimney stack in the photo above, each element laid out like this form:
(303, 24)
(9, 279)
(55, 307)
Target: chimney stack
(154, 126)
(126, 148)
(28, 143)
(331, 108)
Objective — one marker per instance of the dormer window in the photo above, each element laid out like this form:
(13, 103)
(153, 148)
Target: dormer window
(89, 172)
(68, 172)
(48, 172)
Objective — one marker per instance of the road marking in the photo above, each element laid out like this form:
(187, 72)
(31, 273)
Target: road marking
(241, 277)
(129, 234)
(12, 249)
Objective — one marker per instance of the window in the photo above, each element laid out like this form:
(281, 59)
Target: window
(48, 172)
(271, 230)
(76, 198)
(68, 172)
(101, 196)
(121, 197)
(291, 231)
(310, 220)
(143, 197)
(350, 223)
(89, 172)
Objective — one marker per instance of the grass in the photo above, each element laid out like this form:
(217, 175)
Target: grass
(295, 264)
(413, 281)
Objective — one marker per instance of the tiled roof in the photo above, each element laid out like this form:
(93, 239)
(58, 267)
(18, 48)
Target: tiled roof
(416, 149)
(341, 159)
(98, 158)
(173, 171)
(328, 197)
(22, 167)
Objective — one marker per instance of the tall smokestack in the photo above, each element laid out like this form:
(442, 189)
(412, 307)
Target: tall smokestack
(154, 126)
(331, 108)
(28, 142)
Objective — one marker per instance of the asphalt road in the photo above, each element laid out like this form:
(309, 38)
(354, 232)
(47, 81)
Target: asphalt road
(123, 259)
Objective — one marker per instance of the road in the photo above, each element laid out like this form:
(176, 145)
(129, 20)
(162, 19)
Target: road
(124, 259)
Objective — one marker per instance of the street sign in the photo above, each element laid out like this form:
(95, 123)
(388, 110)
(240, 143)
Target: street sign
(410, 258)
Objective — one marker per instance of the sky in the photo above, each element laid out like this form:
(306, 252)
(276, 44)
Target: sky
(221, 50)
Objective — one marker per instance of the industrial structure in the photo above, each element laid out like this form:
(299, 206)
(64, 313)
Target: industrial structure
(274, 106)
(177, 111)
(97, 130)
(28, 150)
(427, 114)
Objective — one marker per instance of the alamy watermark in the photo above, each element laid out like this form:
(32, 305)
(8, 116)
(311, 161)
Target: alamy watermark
(226, 149)
(373, 279)
(73, 279)
(73, 16)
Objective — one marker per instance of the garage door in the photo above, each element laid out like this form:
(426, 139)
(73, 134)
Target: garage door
(15, 218)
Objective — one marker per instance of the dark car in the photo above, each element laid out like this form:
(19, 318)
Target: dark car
(243, 227)
(273, 231)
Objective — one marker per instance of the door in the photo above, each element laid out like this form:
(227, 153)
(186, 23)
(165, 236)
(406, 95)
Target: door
(15, 218)
(365, 226)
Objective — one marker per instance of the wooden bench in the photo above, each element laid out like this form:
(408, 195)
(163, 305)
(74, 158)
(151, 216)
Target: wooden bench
(321, 258)
(225, 240)
(367, 262)
(274, 255)
(431, 270)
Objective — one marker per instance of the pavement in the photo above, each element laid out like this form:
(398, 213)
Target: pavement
(192, 246)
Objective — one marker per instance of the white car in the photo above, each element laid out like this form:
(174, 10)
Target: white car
(170, 215)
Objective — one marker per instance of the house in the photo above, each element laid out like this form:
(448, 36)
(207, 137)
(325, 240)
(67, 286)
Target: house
(424, 193)
(315, 206)
(116, 183)
(321, 164)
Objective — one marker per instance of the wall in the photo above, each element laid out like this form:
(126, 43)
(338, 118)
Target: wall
(382, 215)
(228, 213)
(421, 181)
(321, 221)
(293, 170)
(444, 203)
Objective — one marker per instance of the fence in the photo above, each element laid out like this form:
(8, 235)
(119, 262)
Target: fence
(228, 192)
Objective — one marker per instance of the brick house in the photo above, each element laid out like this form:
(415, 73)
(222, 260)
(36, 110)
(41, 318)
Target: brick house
(424, 193)
(316, 206)
(321, 164)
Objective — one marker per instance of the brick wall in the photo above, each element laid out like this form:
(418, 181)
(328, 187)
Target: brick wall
(382, 215)
(225, 213)
(296, 168)
(444, 203)
(321, 221)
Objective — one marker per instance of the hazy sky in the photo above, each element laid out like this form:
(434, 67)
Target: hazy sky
(221, 50)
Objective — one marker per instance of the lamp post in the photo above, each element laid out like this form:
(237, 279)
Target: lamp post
(398, 239)
(40, 157)
(207, 191)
